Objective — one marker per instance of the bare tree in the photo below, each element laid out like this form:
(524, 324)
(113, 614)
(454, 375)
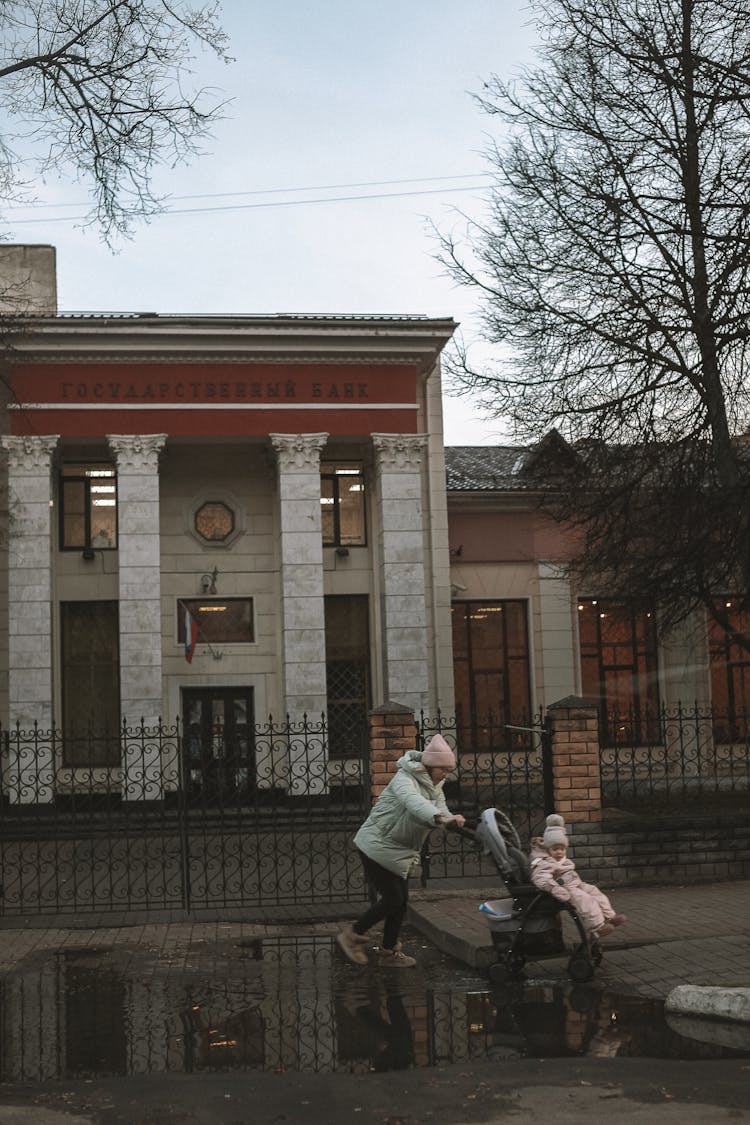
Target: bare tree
(613, 268)
(97, 88)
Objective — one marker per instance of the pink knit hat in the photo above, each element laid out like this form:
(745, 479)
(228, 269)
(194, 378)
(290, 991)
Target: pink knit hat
(437, 752)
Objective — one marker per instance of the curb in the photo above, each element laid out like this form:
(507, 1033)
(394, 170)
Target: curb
(451, 938)
(715, 1003)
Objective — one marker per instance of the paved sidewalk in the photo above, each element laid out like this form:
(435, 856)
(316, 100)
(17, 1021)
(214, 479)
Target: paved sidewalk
(698, 935)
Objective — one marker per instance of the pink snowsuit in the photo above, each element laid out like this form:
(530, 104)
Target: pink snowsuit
(560, 878)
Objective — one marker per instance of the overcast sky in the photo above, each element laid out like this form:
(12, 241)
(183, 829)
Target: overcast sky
(293, 209)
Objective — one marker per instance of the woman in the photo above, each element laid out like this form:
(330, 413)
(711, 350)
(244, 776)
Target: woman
(389, 843)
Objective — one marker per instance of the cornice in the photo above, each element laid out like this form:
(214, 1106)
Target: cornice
(193, 356)
(241, 339)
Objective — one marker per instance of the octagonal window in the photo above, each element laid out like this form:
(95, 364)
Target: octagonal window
(214, 521)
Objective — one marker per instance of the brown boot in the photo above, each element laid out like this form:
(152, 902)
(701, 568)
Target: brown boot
(352, 945)
(603, 931)
(395, 958)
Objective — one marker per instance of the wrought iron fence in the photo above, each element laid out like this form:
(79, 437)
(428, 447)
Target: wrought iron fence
(499, 765)
(183, 821)
(685, 755)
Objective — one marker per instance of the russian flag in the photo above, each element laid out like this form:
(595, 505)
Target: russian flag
(191, 635)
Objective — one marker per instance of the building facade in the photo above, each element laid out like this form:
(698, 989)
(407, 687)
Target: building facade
(526, 635)
(210, 520)
(214, 519)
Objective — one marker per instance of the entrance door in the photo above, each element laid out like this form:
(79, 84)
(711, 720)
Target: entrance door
(218, 745)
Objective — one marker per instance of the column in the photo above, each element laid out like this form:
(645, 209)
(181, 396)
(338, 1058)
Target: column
(302, 603)
(402, 562)
(137, 458)
(30, 776)
(556, 626)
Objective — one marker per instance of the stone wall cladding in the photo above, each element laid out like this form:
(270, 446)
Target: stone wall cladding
(640, 851)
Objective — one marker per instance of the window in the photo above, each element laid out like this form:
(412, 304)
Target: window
(90, 683)
(619, 668)
(347, 674)
(88, 507)
(491, 672)
(730, 674)
(342, 505)
(214, 521)
(220, 620)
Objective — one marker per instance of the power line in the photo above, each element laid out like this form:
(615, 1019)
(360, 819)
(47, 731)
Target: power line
(273, 203)
(277, 191)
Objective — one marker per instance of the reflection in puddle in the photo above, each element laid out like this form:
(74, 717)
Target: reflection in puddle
(294, 1004)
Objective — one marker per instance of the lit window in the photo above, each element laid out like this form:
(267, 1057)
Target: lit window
(342, 505)
(491, 672)
(88, 507)
(729, 652)
(219, 620)
(619, 668)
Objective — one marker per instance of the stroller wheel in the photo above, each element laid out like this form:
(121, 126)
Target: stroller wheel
(580, 968)
(498, 973)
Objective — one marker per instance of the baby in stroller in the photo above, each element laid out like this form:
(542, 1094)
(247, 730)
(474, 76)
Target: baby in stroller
(528, 922)
(552, 871)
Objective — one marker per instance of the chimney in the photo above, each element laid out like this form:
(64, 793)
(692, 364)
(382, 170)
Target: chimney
(28, 280)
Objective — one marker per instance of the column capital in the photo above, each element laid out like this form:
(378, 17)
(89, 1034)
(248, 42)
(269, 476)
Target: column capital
(399, 453)
(137, 452)
(29, 454)
(298, 452)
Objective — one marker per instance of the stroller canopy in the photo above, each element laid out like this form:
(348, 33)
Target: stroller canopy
(500, 840)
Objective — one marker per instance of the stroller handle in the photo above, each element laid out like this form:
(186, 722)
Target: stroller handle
(467, 832)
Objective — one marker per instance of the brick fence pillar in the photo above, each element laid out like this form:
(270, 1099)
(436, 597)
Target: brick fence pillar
(392, 732)
(573, 726)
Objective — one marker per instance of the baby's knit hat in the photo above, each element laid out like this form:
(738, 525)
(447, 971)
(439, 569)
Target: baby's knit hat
(437, 752)
(554, 833)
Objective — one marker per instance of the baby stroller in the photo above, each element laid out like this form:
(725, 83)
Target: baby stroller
(527, 922)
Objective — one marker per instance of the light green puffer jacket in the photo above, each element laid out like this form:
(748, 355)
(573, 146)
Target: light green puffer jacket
(402, 816)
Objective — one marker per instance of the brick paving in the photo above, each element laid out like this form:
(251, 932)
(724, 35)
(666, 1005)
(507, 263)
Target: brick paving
(698, 934)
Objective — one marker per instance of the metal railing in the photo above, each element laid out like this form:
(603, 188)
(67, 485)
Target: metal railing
(686, 755)
(180, 822)
(161, 817)
(499, 765)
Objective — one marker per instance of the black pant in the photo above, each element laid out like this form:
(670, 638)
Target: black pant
(390, 907)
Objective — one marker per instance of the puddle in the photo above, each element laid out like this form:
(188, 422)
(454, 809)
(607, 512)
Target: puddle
(293, 1003)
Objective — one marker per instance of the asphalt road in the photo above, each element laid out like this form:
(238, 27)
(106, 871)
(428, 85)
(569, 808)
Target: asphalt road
(549, 1091)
